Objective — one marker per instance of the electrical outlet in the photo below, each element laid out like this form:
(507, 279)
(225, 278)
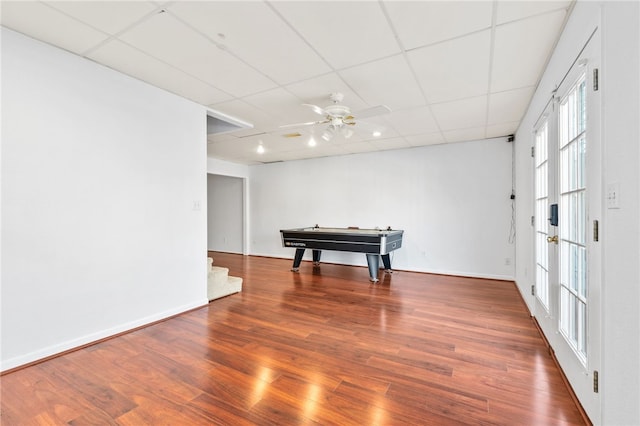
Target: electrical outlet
(507, 261)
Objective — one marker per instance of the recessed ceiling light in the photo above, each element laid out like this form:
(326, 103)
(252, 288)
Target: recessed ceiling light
(376, 134)
(260, 149)
(312, 141)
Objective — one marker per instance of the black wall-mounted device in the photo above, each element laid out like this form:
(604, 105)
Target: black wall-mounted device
(553, 214)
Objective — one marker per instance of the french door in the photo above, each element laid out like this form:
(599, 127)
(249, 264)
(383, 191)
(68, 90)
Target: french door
(568, 193)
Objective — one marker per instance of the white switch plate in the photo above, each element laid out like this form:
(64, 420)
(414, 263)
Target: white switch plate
(613, 195)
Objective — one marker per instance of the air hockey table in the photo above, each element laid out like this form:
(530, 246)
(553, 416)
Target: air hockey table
(375, 243)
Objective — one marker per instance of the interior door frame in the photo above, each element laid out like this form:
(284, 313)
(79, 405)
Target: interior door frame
(243, 197)
(581, 376)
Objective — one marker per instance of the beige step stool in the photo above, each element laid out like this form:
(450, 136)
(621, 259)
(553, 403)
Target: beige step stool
(220, 284)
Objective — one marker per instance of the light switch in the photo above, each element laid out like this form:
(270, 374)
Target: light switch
(613, 195)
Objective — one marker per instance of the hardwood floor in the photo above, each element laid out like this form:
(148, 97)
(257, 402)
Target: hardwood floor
(323, 346)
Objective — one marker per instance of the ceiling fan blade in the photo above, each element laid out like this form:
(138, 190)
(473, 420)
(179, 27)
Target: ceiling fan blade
(316, 109)
(308, 123)
(368, 130)
(372, 112)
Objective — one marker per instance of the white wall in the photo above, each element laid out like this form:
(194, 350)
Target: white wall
(101, 176)
(452, 201)
(621, 280)
(225, 213)
(620, 228)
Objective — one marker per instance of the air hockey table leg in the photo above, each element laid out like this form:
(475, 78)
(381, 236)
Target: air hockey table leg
(316, 257)
(297, 259)
(386, 260)
(373, 261)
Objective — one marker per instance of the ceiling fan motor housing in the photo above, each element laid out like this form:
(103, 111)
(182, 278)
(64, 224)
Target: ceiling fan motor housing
(337, 111)
(336, 97)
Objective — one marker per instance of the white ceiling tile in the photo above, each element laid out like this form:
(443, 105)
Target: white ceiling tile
(261, 121)
(364, 129)
(275, 143)
(328, 149)
(300, 143)
(283, 106)
(39, 21)
(413, 121)
(305, 132)
(509, 106)
(463, 135)
(243, 133)
(302, 152)
(246, 148)
(420, 23)
(390, 143)
(521, 50)
(230, 148)
(502, 129)
(387, 81)
(269, 157)
(108, 16)
(169, 40)
(466, 113)
(256, 34)
(344, 33)
(322, 152)
(316, 91)
(135, 63)
(425, 139)
(454, 69)
(513, 10)
(359, 147)
(258, 61)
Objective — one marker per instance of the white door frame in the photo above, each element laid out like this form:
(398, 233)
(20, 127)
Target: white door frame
(579, 371)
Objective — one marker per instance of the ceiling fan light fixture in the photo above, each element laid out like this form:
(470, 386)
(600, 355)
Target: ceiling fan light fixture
(338, 118)
(346, 132)
(328, 134)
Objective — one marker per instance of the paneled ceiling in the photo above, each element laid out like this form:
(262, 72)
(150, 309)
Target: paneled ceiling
(450, 71)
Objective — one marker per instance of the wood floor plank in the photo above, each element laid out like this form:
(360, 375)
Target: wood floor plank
(322, 346)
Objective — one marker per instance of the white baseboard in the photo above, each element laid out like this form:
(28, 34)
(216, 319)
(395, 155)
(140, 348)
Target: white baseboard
(59, 348)
(424, 271)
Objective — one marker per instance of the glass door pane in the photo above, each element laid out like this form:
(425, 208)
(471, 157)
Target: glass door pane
(541, 206)
(572, 227)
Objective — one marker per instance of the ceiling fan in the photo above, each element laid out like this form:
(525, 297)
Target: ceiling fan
(339, 117)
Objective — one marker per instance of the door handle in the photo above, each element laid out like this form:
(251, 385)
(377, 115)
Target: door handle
(553, 239)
